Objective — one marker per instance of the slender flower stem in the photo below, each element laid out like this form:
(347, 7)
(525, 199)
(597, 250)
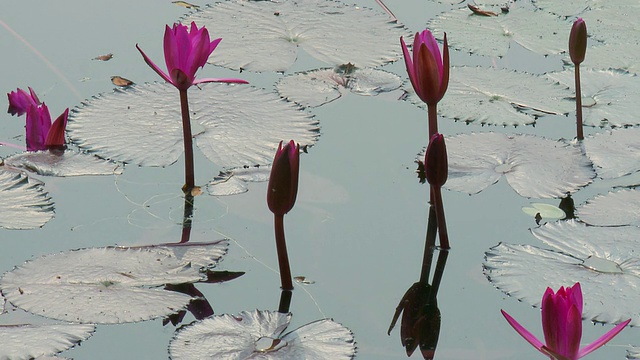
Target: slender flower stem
(432, 110)
(578, 104)
(442, 225)
(283, 258)
(429, 246)
(188, 143)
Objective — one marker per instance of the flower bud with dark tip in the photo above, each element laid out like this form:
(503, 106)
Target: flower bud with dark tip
(283, 181)
(578, 41)
(436, 164)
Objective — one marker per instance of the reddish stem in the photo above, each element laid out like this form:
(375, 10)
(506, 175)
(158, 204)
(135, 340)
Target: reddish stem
(188, 143)
(578, 103)
(442, 225)
(283, 258)
(432, 111)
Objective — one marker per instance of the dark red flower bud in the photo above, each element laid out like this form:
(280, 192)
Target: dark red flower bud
(435, 160)
(578, 41)
(283, 182)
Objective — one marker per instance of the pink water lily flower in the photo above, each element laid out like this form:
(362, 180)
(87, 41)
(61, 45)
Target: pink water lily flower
(428, 70)
(186, 50)
(562, 326)
(41, 134)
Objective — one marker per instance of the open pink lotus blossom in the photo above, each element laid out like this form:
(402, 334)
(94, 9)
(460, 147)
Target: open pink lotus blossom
(184, 52)
(562, 325)
(41, 133)
(428, 70)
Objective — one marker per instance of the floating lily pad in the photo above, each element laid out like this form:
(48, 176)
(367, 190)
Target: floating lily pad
(235, 181)
(500, 97)
(67, 163)
(614, 56)
(258, 335)
(614, 153)
(545, 211)
(603, 259)
(265, 35)
(568, 7)
(613, 209)
(25, 204)
(614, 23)
(537, 31)
(26, 341)
(318, 87)
(609, 98)
(533, 166)
(633, 353)
(107, 285)
(233, 125)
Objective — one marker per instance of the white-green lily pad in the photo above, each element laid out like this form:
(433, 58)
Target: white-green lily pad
(67, 163)
(568, 7)
(537, 31)
(318, 87)
(25, 203)
(603, 259)
(233, 125)
(545, 211)
(609, 98)
(614, 153)
(106, 285)
(27, 341)
(533, 166)
(501, 97)
(613, 209)
(235, 181)
(265, 35)
(633, 353)
(614, 23)
(258, 335)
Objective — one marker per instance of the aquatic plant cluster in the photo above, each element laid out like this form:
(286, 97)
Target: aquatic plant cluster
(254, 135)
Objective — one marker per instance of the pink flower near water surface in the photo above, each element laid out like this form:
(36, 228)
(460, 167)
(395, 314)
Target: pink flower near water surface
(428, 70)
(562, 325)
(41, 134)
(186, 50)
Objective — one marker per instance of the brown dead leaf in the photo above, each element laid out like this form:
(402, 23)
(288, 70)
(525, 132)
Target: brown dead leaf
(106, 57)
(120, 81)
(185, 4)
(476, 10)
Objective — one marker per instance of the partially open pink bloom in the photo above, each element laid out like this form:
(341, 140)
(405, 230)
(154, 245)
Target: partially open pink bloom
(428, 70)
(184, 52)
(578, 41)
(435, 161)
(283, 181)
(562, 325)
(41, 133)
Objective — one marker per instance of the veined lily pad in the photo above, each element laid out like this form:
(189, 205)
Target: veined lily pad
(25, 204)
(234, 181)
(26, 341)
(107, 285)
(613, 209)
(233, 125)
(614, 153)
(568, 7)
(609, 98)
(613, 56)
(537, 31)
(67, 163)
(318, 87)
(265, 35)
(633, 353)
(614, 23)
(258, 335)
(499, 97)
(603, 259)
(533, 166)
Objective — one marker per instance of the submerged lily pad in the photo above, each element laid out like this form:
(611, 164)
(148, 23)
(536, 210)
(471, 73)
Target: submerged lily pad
(25, 204)
(533, 166)
(233, 125)
(614, 153)
(609, 98)
(107, 285)
(500, 97)
(603, 259)
(613, 209)
(537, 31)
(235, 181)
(545, 211)
(67, 163)
(258, 335)
(318, 87)
(265, 35)
(26, 341)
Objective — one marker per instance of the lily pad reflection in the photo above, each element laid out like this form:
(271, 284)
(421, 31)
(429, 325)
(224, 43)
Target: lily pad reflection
(235, 181)
(603, 259)
(108, 285)
(533, 166)
(258, 335)
(25, 204)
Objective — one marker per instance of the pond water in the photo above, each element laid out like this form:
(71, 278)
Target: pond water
(357, 230)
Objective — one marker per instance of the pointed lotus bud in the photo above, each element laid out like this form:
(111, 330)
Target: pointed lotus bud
(283, 181)
(20, 101)
(436, 164)
(428, 69)
(578, 41)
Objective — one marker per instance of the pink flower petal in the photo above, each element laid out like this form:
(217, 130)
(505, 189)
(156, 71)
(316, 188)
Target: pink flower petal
(603, 339)
(221, 80)
(523, 332)
(55, 136)
(154, 66)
